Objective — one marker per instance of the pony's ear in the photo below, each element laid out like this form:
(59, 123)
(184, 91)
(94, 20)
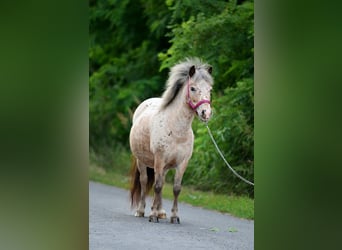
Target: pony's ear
(192, 70)
(210, 69)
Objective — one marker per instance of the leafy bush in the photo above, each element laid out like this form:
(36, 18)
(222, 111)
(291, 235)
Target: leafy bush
(232, 126)
(123, 67)
(222, 35)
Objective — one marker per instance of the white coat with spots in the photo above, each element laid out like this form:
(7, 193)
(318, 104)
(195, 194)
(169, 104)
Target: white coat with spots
(161, 136)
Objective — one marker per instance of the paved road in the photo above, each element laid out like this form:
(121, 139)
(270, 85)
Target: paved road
(113, 226)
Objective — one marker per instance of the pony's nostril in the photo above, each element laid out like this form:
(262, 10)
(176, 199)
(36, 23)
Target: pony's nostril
(204, 114)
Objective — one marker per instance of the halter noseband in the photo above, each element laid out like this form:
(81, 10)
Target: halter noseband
(190, 103)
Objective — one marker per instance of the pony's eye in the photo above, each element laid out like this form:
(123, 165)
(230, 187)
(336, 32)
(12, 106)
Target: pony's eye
(192, 89)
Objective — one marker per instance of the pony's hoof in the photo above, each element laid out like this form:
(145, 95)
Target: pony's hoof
(175, 220)
(153, 219)
(162, 216)
(139, 214)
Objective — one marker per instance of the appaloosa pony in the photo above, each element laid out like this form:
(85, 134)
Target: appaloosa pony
(161, 137)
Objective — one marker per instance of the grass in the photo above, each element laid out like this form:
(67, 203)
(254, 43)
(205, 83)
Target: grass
(238, 206)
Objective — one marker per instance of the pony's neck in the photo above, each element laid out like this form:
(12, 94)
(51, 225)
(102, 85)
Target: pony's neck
(180, 114)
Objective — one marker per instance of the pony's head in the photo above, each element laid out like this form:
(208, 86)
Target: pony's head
(199, 87)
(194, 77)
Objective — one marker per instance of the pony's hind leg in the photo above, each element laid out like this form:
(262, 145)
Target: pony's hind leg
(143, 182)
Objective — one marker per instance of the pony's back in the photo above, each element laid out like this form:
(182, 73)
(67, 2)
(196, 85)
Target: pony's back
(147, 107)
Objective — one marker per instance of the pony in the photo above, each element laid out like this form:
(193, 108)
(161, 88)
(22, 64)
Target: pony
(161, 136)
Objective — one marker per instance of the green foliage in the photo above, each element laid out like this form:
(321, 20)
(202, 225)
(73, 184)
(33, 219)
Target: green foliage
(222, 36)
(232, 126)
(132, 46)
(124, 68)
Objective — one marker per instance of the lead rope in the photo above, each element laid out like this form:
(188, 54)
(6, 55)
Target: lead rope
(218, 150)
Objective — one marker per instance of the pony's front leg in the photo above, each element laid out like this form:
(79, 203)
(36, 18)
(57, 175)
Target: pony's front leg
(158, 186)
(177, 186)
(157, 200)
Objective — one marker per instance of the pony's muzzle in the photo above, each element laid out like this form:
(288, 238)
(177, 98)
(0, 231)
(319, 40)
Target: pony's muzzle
(204, 112)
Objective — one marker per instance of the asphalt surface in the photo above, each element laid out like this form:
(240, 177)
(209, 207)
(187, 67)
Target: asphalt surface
(112, 225)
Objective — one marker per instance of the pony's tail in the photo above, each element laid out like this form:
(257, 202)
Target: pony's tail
(135, 190)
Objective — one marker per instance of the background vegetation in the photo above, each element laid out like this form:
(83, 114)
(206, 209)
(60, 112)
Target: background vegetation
(133, 44)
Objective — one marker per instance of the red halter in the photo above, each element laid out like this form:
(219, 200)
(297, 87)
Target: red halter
(191, 104)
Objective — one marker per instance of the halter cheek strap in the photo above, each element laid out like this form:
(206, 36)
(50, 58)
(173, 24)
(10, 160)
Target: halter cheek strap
(190, 103)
